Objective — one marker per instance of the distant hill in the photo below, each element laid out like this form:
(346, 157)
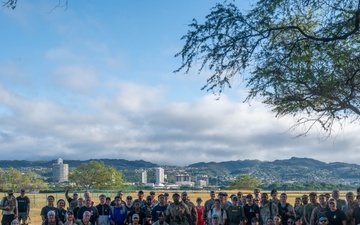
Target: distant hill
(288, 170)
(298, 170)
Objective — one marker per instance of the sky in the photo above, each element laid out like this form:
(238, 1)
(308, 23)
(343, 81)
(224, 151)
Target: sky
(96, 81)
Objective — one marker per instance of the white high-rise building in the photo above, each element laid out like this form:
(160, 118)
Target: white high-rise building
(159, 173)
(143, 177)
(60, 171)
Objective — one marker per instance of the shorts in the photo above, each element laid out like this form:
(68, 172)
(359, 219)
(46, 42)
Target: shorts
(23, 216)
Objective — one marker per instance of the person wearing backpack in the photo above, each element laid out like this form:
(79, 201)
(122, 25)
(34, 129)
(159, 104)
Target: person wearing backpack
(286, 210)
(267, 209)
(9, 208)
(217, 212)
(118, 213)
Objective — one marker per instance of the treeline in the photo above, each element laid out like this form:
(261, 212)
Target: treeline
(309, 186)
(16, 180)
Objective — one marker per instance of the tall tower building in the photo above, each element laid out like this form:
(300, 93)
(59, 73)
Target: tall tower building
(143, 177)
(159, 173)
(60, 171)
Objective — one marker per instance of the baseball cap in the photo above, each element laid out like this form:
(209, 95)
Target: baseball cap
(10, 192)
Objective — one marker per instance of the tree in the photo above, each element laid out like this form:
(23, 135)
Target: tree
(13, 3)
(300, 57)
(96, 175)
(245, 182)
(15, 179)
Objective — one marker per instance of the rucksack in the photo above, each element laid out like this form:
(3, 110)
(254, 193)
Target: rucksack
(112, 209)
(221, 214)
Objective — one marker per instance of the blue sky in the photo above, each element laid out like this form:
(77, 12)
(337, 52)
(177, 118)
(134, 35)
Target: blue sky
(96, 81)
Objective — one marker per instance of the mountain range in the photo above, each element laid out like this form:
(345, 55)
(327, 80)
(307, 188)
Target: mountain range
(303, 170)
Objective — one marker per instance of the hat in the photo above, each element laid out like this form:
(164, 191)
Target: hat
(332, 200)
(22, 190)
(184, 193)
(10, 192)
(212, 192)
(135, 216)
(152, 192)
(234, 198)
(254, 220)
(198, 199)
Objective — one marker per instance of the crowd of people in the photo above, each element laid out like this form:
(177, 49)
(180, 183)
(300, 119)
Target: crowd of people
(220, 209)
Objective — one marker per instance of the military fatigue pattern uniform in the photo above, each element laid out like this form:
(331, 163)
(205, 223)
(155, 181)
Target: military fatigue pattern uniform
(193, 212)
(176, 214)
(207, 207)
(265, 212)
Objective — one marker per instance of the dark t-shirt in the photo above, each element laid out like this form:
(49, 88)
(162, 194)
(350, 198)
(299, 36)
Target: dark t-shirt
(251, 211)
(92, 209)
(156, 210)
(141, 214)
(335, 217)
(356, 215)
(23, 203)
(62, 214)
(103, 209)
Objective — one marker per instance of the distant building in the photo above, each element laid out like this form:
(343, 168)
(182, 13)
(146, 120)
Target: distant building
(60, 171)
(143, 177)
(201, 183)
(183, 180)
(159, 173)
(204, 178)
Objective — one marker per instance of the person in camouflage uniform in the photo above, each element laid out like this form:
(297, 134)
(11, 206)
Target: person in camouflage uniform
(267, 209)
(191, 207)
(208, 205)
(178, 212)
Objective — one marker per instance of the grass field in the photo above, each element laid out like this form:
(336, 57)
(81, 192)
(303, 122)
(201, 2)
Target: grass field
(39, 200)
